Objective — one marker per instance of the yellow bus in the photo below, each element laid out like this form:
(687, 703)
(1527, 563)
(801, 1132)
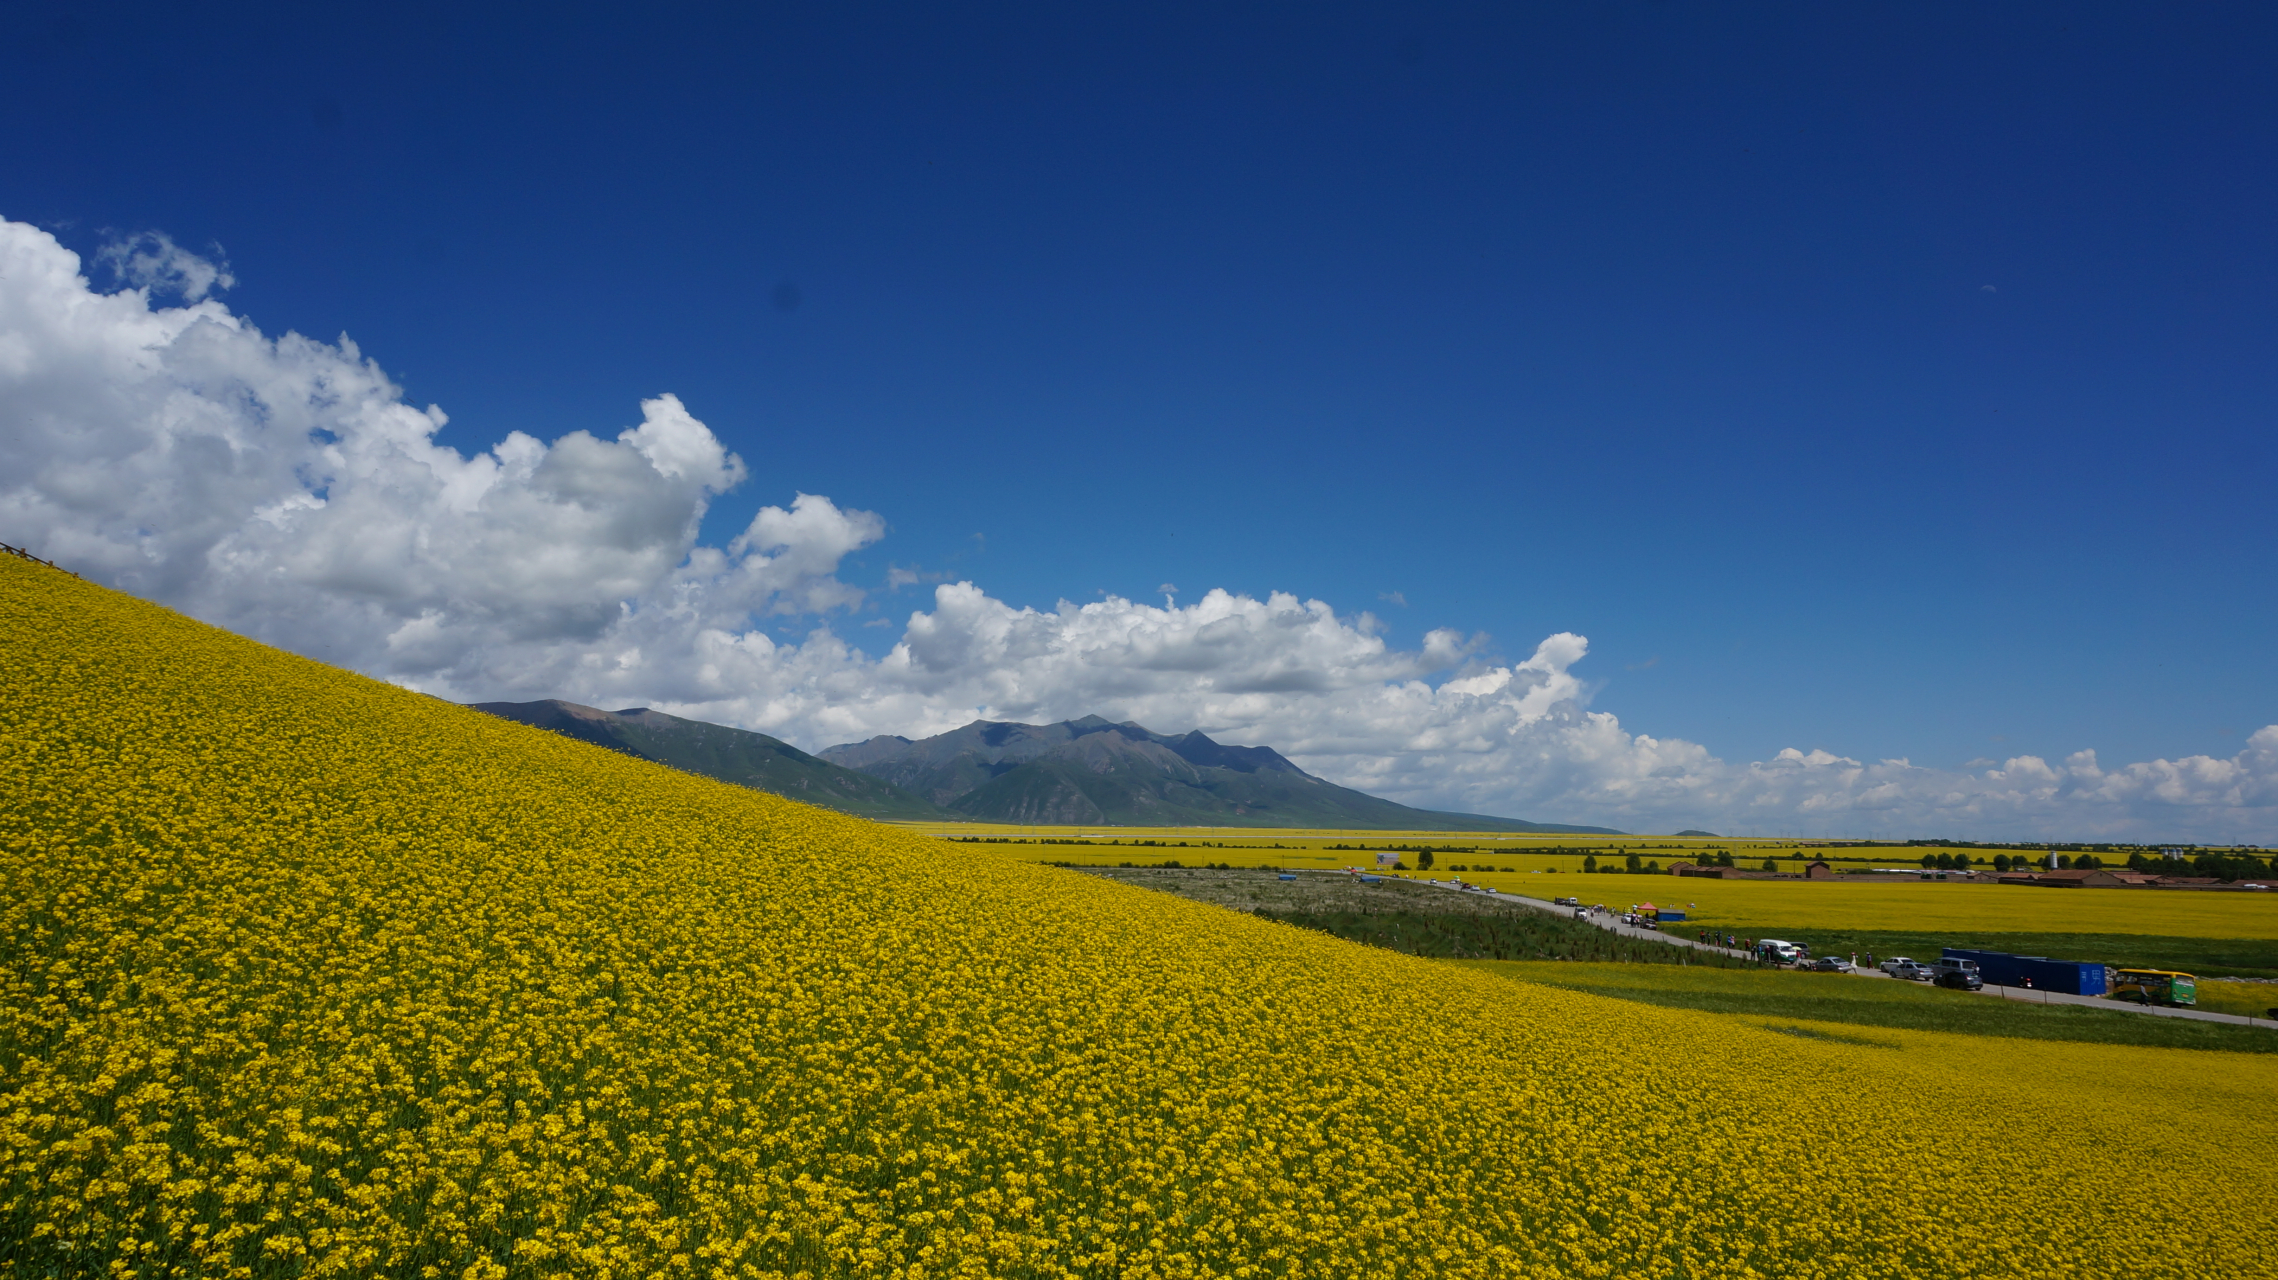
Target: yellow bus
(2155, 986)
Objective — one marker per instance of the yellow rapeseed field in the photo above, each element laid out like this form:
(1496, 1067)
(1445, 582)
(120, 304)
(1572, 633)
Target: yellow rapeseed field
(307, 975)
(2247, 999)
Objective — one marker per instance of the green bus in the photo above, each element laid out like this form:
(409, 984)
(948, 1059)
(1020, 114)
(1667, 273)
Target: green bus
(2155, 986)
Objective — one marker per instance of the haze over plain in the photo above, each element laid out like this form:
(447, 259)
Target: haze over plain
(1866, 387)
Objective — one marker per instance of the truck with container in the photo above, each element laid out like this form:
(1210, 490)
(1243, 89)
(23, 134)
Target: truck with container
(2039, 973)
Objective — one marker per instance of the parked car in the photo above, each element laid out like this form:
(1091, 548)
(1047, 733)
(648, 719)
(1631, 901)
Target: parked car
(1829, 964)
(1902, 967)
(1958, 975)
(1566, 902)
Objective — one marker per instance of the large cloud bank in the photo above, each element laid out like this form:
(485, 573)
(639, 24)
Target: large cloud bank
(282, 488)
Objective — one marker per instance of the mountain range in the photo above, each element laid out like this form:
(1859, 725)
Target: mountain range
(716, 751)
(1093, 771)
(1076, 772)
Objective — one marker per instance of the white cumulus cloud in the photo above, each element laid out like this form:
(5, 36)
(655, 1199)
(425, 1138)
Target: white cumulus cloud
(281, 487)
(152, 263)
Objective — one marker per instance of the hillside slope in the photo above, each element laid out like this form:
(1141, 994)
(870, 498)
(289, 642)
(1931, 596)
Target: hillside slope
(1095, 771)
(308, 975)
(732, 755)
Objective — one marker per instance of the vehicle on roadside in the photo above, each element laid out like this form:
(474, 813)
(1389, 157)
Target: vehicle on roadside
(1905, 967)
(1829, 964)
(1779, 952)
(2155, 986)
(1566, 902)
(1956, 975)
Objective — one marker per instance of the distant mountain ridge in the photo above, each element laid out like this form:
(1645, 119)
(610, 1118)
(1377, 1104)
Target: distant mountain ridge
(716, 751)
(1096, 771)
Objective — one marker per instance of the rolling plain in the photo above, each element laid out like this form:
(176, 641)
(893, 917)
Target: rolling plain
(2215, 933)
(310, 975)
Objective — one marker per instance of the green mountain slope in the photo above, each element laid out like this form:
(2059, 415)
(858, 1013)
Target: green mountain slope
(1093, 771)
(732, 755)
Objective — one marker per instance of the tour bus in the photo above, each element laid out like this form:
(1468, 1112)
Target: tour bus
(2154, 986)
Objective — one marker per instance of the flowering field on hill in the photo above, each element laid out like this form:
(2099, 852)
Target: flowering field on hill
(307, 975)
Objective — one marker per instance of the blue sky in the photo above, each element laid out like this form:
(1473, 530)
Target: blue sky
(1892, 380)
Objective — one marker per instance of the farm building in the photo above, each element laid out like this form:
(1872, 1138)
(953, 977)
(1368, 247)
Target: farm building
(2094, 879)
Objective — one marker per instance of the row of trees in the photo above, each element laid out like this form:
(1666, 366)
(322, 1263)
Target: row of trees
(2003, 862)
(1633, 865)
(2221, 866)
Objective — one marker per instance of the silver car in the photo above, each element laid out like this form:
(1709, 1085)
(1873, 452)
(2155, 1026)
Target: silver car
(1901, 967)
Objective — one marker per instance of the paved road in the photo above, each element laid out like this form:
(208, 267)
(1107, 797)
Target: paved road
(1611, 922)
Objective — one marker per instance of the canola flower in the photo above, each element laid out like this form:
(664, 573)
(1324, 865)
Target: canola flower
(311, 976)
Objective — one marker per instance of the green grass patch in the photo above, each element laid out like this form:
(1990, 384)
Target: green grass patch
(2205, 957)
(1872, 1002)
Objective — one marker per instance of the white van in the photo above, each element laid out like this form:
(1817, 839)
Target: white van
(1778, 952)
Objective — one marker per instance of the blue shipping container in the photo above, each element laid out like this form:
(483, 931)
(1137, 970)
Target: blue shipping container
(2071, 977)
(1667, 915)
